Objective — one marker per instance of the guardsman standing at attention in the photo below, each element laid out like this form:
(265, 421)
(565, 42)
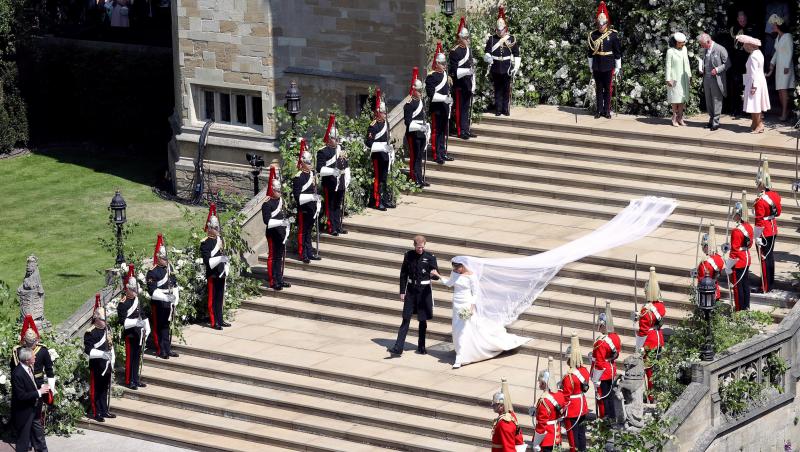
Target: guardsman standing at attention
(741, 242)
(272, 212)
(212, 249)
(97, 345)
(766, 209)
(164, 297)
(649, 336)
(304, 191)
(713, 263)
(604, 366)
(574, 387)
(461, 69)
(134, 330)
(382, 155)
(437, 86)
(417, 130)
(329, 173)
(501, 50)
(506, 431)
(547, 413)
(605, 60)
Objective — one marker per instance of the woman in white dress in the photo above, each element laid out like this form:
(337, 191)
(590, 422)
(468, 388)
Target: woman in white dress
(756, 97)
(475, 337)
(782, 64)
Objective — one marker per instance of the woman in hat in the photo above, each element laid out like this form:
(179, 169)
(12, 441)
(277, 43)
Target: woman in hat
(678, 73)
(782, 63)
(756, 97)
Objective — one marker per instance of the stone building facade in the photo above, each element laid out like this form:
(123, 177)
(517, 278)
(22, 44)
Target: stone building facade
(234, 61)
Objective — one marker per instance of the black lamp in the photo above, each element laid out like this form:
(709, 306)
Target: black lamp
(117, 208)
(448, 7)
(706, 297)
(293, 101)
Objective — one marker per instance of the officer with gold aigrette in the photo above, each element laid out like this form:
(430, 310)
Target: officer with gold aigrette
(574, 386)
(506, 431)
(766, 209)
(605, 60)
(547, 413)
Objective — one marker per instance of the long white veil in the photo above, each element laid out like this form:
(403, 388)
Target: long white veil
(507, 287)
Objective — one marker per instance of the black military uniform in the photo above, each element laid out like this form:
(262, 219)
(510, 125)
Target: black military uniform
(604, 54)
(129, 316)
(736, 73)
(438, 83)
(161, 283)
(272, 212)
(503, 51)
(96, 345)
(326, 167)
(339, 194)
(377, 141)
(461, 71)
(211, 249)
(303, 184)
(414, 117)
(415, 283)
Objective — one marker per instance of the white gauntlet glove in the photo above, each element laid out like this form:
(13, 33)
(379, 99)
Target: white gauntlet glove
(52, 383)
(487, 57)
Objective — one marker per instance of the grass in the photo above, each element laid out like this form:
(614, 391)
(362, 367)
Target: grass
(54, 205)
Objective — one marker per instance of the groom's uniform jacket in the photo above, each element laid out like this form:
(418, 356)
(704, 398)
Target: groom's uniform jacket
(415, 282)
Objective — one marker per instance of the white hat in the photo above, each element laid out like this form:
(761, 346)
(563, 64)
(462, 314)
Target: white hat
(679, 37)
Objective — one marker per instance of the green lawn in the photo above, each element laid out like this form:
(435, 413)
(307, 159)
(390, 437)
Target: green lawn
(55, 205)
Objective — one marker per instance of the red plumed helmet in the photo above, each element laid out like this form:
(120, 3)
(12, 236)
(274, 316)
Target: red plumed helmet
(602, 11)
(28, 323)
(414, 78)
(380, 105)
(460, 26)
(96, 301)
(436, 54)
(130, 274)
(270, 190)
(303, 156)
(212, 212)
(331, 131)
(501, 18)
(159, 244)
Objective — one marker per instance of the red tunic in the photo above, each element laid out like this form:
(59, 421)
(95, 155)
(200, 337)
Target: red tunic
(763, 212)
(649, 324)
(604, 355)
(711, 267)
(739, 251)
(573, 394)
(547, 417)
(506, 434)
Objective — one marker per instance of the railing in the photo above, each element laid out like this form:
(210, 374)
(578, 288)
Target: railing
(699, 410)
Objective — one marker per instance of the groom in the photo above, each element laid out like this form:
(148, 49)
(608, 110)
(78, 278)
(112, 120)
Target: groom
(416, 293)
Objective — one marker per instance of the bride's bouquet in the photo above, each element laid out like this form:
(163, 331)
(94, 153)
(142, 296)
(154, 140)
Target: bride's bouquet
(465, 313)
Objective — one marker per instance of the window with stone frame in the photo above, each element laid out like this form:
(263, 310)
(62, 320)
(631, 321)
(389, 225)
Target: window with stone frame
(232, 107)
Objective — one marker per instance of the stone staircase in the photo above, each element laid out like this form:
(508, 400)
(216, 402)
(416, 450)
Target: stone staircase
(306, 368)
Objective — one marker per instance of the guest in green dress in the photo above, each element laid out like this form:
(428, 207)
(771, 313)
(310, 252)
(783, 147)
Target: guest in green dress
(678, 73)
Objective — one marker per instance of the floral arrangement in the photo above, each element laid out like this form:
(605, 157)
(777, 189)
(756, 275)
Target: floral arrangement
(553, 43)
(465, 313)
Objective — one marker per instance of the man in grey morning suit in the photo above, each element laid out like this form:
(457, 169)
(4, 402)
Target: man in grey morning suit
(713, 62)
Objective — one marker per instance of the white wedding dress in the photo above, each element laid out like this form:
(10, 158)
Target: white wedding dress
(477, 338)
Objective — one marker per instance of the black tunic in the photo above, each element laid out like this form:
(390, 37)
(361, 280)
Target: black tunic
(298, 183)
(206, 247)
(605, 52)
(457, 55)
(503, 55)
(415, 282)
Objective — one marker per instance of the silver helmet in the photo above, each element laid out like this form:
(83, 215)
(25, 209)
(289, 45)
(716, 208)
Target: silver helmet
(213, 222)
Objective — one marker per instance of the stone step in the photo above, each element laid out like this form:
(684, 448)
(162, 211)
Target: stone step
(230, 434)
(265, 406)
(312, 386)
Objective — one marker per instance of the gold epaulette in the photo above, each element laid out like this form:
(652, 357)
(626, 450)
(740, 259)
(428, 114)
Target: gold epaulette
(374, 121)
(15, 354)
(204, 239)
(507, 417)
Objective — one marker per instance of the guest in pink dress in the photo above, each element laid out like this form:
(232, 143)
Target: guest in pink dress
(756, 97)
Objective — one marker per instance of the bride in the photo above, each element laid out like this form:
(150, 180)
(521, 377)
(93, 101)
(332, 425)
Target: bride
(475, 337)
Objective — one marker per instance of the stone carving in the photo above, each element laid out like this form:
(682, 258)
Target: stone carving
(31, 294)
(629, 394)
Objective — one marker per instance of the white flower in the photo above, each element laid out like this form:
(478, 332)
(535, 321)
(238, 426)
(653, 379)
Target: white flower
(198, 260)
(180, 263)
(551, 44)
(2, 379)
(561, 72)
(653, 2)
(565, 44)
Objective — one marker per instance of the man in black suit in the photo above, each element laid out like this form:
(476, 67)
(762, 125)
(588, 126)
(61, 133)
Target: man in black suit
(26, 403)
(416, 293)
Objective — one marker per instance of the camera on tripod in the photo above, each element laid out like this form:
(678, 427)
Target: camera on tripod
(256, 161)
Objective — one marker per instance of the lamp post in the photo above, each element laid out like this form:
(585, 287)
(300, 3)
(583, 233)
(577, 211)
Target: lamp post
(293, 102)
(706, 297)
(117, 208)
(448, 7)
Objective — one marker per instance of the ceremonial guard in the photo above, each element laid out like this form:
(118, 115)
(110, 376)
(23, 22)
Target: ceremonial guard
(333, 168)
(604, 363)
(272, 212)
(574, 386)
(42, 374)
(461, 69)
(212, 249)
(547, 413)
(741, 242)
(416, 293)
(98, 346)
(500, 51)
(766, 209)
(506, 431)
(437, 86)
(605, 60)
(417, 131)
(713, 263)
(649, 337)
(134, 330)
(382, 155)
(164, 297)
(304, 191)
